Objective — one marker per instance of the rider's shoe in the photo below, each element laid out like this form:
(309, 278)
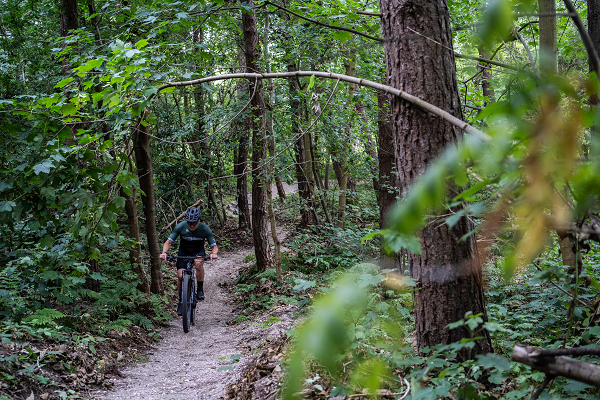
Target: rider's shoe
(200, 295)
(179, 309)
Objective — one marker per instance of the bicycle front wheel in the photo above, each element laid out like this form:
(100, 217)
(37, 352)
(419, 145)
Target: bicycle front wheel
(186, 301)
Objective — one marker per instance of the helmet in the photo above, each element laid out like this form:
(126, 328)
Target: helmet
(192, 215)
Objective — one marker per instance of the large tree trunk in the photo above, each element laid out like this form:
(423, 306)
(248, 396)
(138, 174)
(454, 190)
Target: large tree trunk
(548, 47)
(419, 60)
(388, 177)
(145, 176)
(262, 249)
(307, 216)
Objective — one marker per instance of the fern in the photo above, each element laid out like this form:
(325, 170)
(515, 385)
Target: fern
(45, 316)
(119, 325)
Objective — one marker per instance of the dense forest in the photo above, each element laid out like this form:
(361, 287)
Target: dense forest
(444, 231)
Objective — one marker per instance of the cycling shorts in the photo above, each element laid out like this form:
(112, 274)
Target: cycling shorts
(182, 262)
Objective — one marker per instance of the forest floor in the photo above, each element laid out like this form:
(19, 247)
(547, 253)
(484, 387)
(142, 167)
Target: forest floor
(215, 352)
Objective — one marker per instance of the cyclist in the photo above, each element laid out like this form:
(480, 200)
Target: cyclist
(193, 233)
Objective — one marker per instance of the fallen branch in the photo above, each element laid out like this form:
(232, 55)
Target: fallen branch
(178, 218)
(363, 82)
(558, 365)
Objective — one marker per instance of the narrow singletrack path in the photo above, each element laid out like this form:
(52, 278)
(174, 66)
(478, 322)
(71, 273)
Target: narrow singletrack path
(186, 366)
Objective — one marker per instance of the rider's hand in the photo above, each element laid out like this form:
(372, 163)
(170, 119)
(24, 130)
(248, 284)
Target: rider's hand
(213, 256)
(163, 256)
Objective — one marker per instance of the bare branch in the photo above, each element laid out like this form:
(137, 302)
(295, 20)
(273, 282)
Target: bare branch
(363, 82)
(558, 366)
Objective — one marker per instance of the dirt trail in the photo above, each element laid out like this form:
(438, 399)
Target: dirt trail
(185, 366)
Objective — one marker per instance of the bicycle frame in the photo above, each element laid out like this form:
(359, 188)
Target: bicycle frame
(188, 290)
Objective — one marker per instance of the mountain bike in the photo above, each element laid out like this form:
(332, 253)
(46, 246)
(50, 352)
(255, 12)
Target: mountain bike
(188, 290)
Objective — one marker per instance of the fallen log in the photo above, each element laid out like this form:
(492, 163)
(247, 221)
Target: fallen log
(559, 365)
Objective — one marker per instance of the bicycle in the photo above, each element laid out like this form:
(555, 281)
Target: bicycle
(188, 290)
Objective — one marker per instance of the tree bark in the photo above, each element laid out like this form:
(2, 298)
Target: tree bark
(388, 177)
(135, 252)
(241, 162)
(145, 176)
(486, 78)
(271, 172)
(419, 60)
(262, 249)
(548, 47)
(69, 17)
(307, 217)
(593, 17)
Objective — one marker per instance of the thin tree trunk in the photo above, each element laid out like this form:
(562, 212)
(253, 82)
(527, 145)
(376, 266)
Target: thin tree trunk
(593, 18)
(548, 47)
(135, 252)
(388, 177)
(241, 161)
(145, 176)
(262, 249)
(419, 60)
(271, 172)
(307, 217)
(486, 78)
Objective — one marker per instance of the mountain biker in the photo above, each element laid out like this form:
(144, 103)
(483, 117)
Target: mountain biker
(193, 233)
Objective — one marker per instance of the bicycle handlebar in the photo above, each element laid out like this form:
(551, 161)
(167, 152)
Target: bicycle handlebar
(174, 258)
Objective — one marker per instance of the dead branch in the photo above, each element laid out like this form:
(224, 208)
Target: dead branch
(178, 218)
(557, 365)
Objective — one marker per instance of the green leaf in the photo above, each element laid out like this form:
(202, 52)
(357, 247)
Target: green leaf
(7, 205)
(311, 82)
(131, 52)
(149, 92)
(141, 43)
(492, 360)
(454, 218)
(64, 82)
(43, 167)
(342, 36)
(47, 241)
(302, 284)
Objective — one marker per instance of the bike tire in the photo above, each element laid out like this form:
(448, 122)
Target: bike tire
(193, 303)
(186, 302)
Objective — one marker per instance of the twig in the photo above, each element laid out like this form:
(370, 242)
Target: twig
(542, 387)
(528, 50)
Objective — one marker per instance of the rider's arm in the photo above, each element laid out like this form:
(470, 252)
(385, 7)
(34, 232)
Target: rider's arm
(215, 250)
(166, 248)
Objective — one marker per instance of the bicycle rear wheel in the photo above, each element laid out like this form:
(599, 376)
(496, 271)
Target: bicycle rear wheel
(186, 301)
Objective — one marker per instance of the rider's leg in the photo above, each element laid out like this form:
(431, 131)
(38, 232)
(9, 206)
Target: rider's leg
(179, 280)
(199, 265)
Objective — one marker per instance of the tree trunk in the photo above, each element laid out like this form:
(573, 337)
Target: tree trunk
(419, 60)
(307, 216)
(486, 78)
(262, 249)
(271, 141)
(388, 177)
(593, 18)
(360, 109)
(548, 47)
(145, 176)
(68, 17)
(135, 252)
(241, 163)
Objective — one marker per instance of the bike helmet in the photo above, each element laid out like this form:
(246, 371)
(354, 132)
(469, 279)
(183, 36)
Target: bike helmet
(192, 215)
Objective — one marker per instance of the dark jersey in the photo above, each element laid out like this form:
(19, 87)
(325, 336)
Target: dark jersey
(193, 241)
